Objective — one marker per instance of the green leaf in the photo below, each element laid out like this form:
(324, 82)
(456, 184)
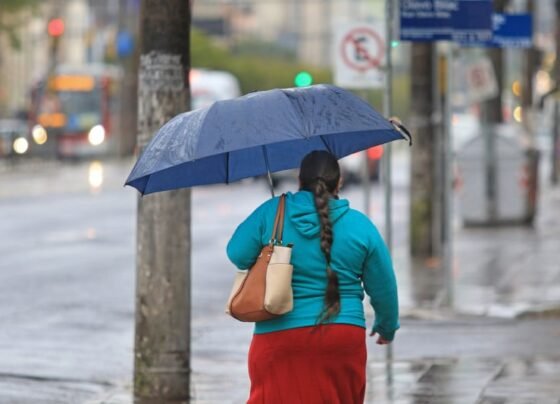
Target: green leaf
(255, 71)
(15, 42)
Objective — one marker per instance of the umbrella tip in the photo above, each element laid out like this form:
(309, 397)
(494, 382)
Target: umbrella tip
(398, 125)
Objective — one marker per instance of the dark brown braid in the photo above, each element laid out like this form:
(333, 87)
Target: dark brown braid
(332, 294)
(320, 174)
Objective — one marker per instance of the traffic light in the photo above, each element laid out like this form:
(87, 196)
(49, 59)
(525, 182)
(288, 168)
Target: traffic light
(303, 79)
(55, 28)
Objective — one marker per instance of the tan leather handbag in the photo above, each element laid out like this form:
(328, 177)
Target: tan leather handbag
(265, 291)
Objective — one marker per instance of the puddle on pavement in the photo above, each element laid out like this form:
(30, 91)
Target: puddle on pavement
(464, 381)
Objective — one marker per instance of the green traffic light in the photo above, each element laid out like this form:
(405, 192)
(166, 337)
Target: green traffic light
(394, 44)
(303, 79)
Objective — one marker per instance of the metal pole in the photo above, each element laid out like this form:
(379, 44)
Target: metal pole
(555, 144)
(387, 155)
(437, 167)
(556, 134)
(366, 183)
(447, 185)
(388, 111)
(326, 45)
(491, 114)
(128, 114)
(162, 327)
(530, 64)
(490, 169)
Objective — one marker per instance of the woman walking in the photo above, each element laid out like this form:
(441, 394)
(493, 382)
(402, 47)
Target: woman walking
(317, 352)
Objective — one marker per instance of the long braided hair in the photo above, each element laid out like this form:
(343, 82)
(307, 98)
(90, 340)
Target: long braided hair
(320, 174)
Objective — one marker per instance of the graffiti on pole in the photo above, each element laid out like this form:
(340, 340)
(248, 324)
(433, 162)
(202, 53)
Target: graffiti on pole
(162, 74)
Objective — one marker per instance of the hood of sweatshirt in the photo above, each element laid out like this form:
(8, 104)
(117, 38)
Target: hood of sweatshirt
(302, 212)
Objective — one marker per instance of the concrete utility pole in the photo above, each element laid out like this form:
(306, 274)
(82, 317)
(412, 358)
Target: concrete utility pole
(530, 66)
(491, 114)
(162, 340)
(422, 181)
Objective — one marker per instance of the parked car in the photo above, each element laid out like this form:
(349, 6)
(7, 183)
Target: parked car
(14, 139)
(352, 166)
(208, 86)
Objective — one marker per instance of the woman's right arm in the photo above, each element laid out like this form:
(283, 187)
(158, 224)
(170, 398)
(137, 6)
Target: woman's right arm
(381, 286)
(246, 243)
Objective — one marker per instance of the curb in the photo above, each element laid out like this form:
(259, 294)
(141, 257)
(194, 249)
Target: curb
(521, 312)
(549, 311)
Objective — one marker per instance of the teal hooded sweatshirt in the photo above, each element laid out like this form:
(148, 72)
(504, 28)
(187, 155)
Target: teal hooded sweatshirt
(359, 257)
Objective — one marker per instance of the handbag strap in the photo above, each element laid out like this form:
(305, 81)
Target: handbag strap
(278, 229)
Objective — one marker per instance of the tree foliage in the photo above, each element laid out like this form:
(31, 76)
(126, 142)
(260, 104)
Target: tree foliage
(9, 21)
(254, 71)
(10, 6)
(267, 49)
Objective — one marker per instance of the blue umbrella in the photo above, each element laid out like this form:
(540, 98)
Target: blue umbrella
(256, 134)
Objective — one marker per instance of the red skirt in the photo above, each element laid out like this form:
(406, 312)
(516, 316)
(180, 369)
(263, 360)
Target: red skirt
(309, 365)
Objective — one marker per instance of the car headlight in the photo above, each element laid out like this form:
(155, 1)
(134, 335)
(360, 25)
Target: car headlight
(96, 135)
(21, 145)
(39, 134)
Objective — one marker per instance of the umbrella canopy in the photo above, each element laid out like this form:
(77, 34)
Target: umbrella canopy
(261, 132)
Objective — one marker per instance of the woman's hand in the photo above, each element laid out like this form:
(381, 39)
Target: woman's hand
(380, 339)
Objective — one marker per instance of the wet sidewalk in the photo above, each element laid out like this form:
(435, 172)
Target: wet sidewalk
(468, 382)
(468, 360)
(509, 272)
(441, 381)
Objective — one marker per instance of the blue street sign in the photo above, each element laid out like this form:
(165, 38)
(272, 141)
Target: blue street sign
(425, 20)
(125, 44)
(472, 21)
(437, 20)
(512, 31)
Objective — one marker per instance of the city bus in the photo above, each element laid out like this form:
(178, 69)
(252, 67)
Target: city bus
(75, 111)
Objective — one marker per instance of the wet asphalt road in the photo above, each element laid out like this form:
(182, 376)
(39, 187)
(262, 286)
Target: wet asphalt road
(67, 293)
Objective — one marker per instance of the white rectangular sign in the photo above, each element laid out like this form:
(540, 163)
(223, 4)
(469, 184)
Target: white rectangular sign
(481, 80)
(359, 51)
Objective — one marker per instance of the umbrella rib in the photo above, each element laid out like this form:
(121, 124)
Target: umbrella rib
(299, 112)
(147, 182)
(227, 167)
(325, 143)
(200, 130)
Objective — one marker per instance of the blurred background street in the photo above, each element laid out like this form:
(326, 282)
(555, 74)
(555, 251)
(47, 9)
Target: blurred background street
(475, 228)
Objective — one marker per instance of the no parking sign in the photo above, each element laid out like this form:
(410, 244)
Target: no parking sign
(359, 56)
